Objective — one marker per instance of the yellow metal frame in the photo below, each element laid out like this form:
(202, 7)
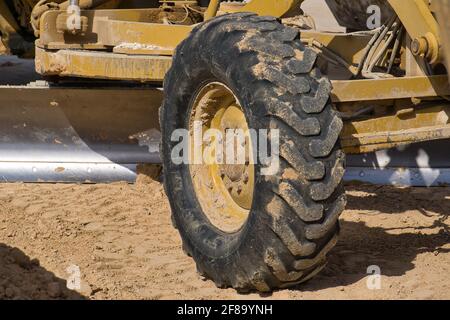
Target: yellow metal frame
(390, 89)
(405, 126)
(416, 16)
(111, 28)
(102, 65)
(140, 49)
(442, 9)
(275, 8)
(421, 26)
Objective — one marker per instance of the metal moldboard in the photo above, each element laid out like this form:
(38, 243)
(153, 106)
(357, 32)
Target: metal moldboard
(60, 134)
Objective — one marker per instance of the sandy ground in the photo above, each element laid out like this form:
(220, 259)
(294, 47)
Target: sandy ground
(121, 238)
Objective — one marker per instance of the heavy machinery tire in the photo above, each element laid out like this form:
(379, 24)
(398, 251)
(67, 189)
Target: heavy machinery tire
(293, 220)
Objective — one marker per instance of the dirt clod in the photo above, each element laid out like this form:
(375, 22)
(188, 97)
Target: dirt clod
(54, 290)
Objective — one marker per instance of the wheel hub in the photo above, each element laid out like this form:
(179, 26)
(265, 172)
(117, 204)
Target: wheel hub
(224, 188)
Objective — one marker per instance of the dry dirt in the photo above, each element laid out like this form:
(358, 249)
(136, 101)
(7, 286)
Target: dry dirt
(121, 238)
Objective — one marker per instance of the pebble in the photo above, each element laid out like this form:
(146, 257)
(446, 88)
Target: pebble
(20, 258)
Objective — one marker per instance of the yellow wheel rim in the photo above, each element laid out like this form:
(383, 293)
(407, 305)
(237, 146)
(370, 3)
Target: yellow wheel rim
(223, 188)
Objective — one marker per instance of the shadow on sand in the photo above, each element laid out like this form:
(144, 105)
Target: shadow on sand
(23, 278)
(360, 246)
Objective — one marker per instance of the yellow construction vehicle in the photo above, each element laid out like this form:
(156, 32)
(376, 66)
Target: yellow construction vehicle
(262, 68)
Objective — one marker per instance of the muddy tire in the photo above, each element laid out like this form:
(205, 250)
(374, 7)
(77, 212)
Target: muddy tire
(293, 219)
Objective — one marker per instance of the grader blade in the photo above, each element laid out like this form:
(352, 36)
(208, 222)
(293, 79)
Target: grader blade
(74, 134)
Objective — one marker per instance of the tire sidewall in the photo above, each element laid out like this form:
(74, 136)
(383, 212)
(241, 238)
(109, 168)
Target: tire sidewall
(206, 65)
